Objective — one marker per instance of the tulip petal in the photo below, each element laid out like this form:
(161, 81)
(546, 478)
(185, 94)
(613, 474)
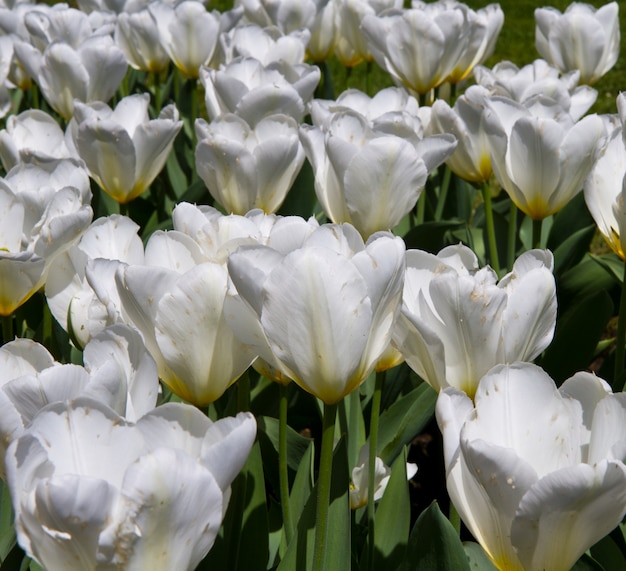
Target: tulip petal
(572, 508)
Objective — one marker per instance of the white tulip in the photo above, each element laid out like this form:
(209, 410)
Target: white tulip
(458, 321)
(92, 491)
(537, 474)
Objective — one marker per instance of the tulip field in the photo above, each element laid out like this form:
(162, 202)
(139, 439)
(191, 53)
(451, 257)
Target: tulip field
(312, 285)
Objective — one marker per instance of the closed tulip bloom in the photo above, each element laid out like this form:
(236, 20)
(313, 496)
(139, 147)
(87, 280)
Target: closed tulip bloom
(541, 162)
(366, 176)
(322, 313)
(248, 167)
(471, 160)
(40, 218)
(604, 187)
(92, 491)
(137, 35)
(458, 321)
(537, 474)
(251, 90)
(187, 32)
(123, 149)
(421, 46)
(351, 45)
(582, 38)
(484, 27)
(538, 81)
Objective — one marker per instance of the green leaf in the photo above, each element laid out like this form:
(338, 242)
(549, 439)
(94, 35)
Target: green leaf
(7, 530)
(478, 560)
(586, 563)
(612, 263)
(576, 337)
(401, 422)
(572, 250)
(177, 179)
(432, 236)
(434, 544)
(584, 279)
(610, 551)
(393, 519)
(573, 217)
(299, 556)
(297, 445)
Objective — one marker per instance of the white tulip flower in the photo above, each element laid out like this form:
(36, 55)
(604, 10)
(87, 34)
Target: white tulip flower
(581, 38)
(321, 314)
(360, 478)
(70, 298)
(458, 321)
(367, 176)
(41, 215)
(123, 149)
(32, 132)
(537, 474)
(604, 187)
(246, 167)
(538, 81)
(92, 491)
(137, 35)
(251, 90)
(118, 372)
(287, 15)
(540, 161)
(421, 46)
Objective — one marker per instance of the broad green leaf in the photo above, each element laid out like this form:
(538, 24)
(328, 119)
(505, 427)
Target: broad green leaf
(401, 422)
(612, 263)
(572, 250)
(177, 179)
(297, 445)
(610, 551)
(577, 333)
(393, 519)
(7, 530)
(477, 558)
(434, 544)
(586, 563)
(583, 280)
(299, 556)
(301, 199)
(573, 217)
(432, 236)
(303, 484)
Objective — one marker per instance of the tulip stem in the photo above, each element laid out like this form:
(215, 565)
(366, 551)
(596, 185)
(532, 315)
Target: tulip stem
(510, 255)
(491, 232)
(621, 333)
(124, 208)
(323, 486)
(443, 192)
(7, 328)
(371, 484)
(282, 463)
(537, 233)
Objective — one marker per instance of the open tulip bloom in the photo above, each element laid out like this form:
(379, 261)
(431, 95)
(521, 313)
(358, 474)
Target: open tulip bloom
(322, 313)
(537, 474)
(93, 491)
(458, 321)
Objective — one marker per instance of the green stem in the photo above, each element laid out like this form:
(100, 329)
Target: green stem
(283, 472)
(491, 232)
(373, 438)
(537, 233)
(124, 208)
(621, 332)
(323, 486)
(510, 255)
(7, 328)
(443, 192)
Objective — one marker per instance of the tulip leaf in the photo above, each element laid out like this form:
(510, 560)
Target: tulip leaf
(478, 560)
(433, 236)
(612, 264)
(586, 563)
(573, 217)
(576, 336)
(610, 551)
(302, 484)
(401, 422)
(177, 179)
(584, 279)
(297, 445)
(7, 531)
(434, 544)
(572, 250)
(299, 555)
(301, 199)
(393, 519)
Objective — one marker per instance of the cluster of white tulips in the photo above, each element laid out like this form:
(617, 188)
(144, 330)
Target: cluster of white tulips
(201, 257)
